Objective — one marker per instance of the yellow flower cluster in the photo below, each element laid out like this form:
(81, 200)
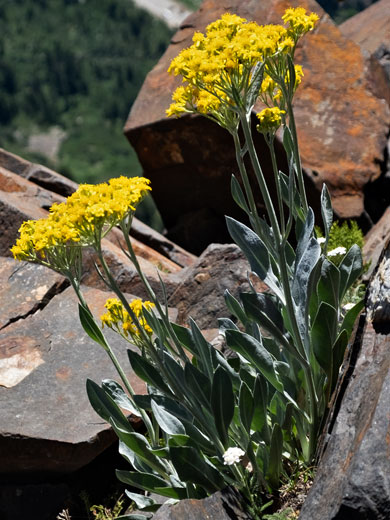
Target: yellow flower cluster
(118, 319)
(82, 219)
(218, 68)
(270, 92)
(270, 119)
(299, 22)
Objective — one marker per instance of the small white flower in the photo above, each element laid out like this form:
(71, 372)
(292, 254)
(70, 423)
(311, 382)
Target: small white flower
(338, 251)
(233, 456)
(348, 306)
(321, 240)
(249, 467)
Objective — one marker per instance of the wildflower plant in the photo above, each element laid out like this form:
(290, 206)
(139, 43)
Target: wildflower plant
(251, 420)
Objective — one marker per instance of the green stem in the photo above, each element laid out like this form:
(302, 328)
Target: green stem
(260, 176)
(298, 164)
(118, 367)
(275, 169)
(245, 180)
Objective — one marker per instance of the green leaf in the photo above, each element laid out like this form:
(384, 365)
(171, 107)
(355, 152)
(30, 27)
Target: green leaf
(91, 327)
(146, 371)
(323, 335)
(257, 79)
(105, 406)
(222, 403)
(151, 483)
(185, 337)
(198, 384)
(119, 396)
(351, 268)
(142, 502)
(305, 237)
(191, 467)
(246, 406)
(260, 399)
(350, 317)
(167, 422)
(253, 351)
(275, 457)
(256, 253)
(262, 309)
(287, 142)
(238, 195)
(328, 288)
(326, 210)
(203, 348)
(140, 446)
(234, 307)
(133, 459)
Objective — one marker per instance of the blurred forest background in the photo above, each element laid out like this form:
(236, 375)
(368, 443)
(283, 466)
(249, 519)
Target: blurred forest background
(69, 73)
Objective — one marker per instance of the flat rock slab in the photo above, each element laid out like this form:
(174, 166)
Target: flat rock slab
(47, 424)
(342, 128)
(353, 479)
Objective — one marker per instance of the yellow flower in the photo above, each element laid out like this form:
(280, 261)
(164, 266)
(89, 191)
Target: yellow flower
(118, 319)
(270, 120)
(299, 22)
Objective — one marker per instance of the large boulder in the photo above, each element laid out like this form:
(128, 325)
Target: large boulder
(353, 478)
(342, 129)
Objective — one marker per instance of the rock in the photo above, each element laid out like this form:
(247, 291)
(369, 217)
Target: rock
(40, 175)
(342, 127)
(378, 235)
(353, 478)
(47, 424)
(223, 505)
(20, 200)
(200, 294)
(370, 30)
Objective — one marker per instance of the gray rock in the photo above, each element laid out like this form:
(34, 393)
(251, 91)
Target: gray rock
(47, 424)
(200, 294)
(223, 505)
(353, 479)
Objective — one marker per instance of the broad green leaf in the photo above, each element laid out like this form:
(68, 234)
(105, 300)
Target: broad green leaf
(275, 457)
(246, 406)
(350, 317)
(234, 307)
(170, 405)
(302, 287)
(198, 437)
(256, 253)
(323, 335)
(238, 195)
(167, 422)
(140, 446)
(175, 370)
(191, 467)
(328, 288)
(181, 440)
(220, 360)
(104, 406)
(119, 396)
(203, 348)
(261, 308)
(151, 483)
(185, 337)
(350, 268)
(222, 403)
(292, 75)
(198, 384)
(304, 238)
(253, 351)
(287, 141)
(260, 399)
(142, 502)
(225, 324)
(146, 371)
(137, 463)
(326, 210)
(91, 327)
